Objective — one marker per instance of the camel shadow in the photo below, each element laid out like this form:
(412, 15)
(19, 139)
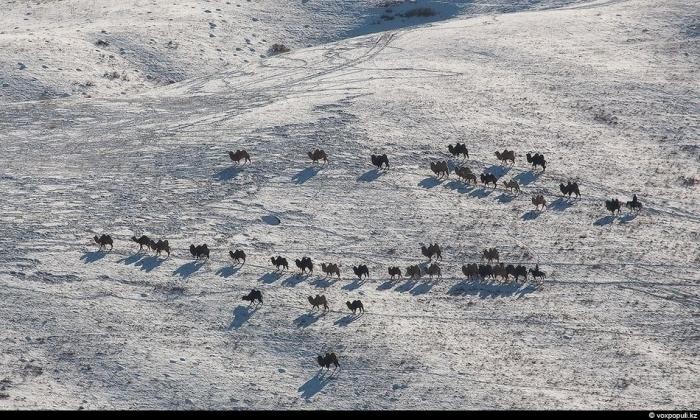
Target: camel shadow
(240, 315)
(149, 264)
(497, 170)
(387, 285)
(323, 282)
(187, 269)
(605, 220)
(486, 290)
(531, 215)
(269, 278)
(305, 174)
(356, 284)
(406, 287)
(482, 192)
(525, 178)
(228, 271)
(429, 182)
(132, 259)
(459, 186)
(628, 217)
(307, 319)
(370, 176)
(505, 198)
(347, 320)
(227, 174)
(314, 385)
(421, 288)
(560, 204)
(293, 280)
(92, 256)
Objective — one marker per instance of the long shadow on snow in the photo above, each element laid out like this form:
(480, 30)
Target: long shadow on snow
(459, 186)
(628, 217)
(531, 215)
(240, 315)
(307, 319)
(293, 280)
(489, 290)
(505, 198)
(388, 284)
(605, 220)
(421, 288)
(269, 278)
(525, 178)
(560, 204)
(498, 170)
(305, 174)
(356, 284)
(187, 269)
(429, 182)
(323, 282)
(347, 320)
(228, 271)
(370, 176)
(228, 174)
(149, 263)
(92, 256)
(132, 259)
(314, 385)
(482, 192)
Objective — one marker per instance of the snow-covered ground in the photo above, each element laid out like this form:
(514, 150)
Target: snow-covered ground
(607, 90)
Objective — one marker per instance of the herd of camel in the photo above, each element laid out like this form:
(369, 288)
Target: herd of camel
(306, 265)
(441, 170)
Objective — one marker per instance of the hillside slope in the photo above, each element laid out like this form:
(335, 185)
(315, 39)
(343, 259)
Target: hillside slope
(606, 90)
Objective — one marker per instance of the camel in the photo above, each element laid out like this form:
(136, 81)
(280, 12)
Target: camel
(537, 160)
(507, 155)
(318, 301)
(238, 255)
(458, 149)
(355, 305)
(516, 272)
(440, 169)
(634, 205)
(432, 249)
(252, 296)
(304, 264)
(280, 262)
(103, 241)
(488, 178)
(465, 173)
(613, 205)
(413, 271)
(395, 271)
(485, 271)
(238, 155)
(434, 270)
(327, 360)
(536, 272)
(490, 254)
(470, 270)
(360, 271)
(199, 251)
(143, 240)
(570, 188)
(161, 246)
(379, 160)
(317, 155)
(330, 269)
(538, 201)
(512, 184)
